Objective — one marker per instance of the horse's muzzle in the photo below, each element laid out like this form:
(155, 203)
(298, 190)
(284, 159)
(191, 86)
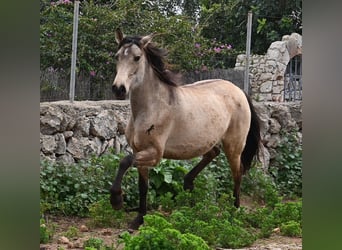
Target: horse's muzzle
(119, 92)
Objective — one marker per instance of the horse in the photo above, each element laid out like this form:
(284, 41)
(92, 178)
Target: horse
(174, 121)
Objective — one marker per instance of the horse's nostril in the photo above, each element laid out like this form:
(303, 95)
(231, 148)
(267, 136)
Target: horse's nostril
(120, 92)
(122, 89)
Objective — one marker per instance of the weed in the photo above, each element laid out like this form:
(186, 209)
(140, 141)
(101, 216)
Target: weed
(158, 234)
(291, 228)
(287, 167)
(103, 215)
(46, 231)
(72, 232)
(94, 243)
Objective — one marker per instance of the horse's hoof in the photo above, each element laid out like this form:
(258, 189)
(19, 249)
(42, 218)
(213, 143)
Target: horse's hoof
(116, 201)
(136, 223)
(237, 203)
(188, 186)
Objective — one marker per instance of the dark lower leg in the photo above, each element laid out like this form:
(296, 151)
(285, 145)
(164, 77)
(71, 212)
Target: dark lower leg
(237, 184)
(115, 191)
(207, 158)
(237, 176)
(143, 187)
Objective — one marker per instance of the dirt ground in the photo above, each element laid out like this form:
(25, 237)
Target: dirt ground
(110, 236)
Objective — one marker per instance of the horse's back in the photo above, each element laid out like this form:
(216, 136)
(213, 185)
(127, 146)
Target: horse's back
(205, 111)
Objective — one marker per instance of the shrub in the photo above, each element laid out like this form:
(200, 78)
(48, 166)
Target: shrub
(260, 186)
(94, 243)
(71, 189)
(157, 234)
(46, 231)
(291, 228)
(72, 232)
(103, 215)
(219, 224)
(287, 167)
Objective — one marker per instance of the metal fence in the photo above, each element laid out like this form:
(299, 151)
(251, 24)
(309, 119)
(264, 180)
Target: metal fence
(54, 85)
(293, 80)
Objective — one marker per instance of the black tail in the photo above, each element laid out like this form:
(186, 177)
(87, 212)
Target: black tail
(253, 139)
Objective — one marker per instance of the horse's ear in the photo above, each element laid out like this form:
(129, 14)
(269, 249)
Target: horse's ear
(118, 36)
(147, 39)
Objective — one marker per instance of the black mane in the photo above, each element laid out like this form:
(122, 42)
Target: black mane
(155, 57)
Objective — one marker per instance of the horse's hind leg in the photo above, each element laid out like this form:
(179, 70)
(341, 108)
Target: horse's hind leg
(207, 158)
(233, 154)
(235, 165)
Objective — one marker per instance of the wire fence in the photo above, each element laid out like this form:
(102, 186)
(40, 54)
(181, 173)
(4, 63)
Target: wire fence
(54, 84)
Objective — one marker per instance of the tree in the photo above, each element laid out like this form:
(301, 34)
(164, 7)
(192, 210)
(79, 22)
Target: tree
(226, 21)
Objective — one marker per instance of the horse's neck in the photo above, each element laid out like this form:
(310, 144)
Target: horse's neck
(150, 96)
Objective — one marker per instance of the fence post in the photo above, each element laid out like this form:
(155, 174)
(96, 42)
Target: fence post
(74, 52)
(248, 49)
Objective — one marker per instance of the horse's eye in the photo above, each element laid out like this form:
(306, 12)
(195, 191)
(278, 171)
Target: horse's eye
(136, 58)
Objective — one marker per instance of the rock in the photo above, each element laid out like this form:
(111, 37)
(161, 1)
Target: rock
(76, 147)
(66, 158)
(48, 144)
(82, 127)
(104, 125)
(63, 240)
(68, 134)
(61, 144)
(274, 127)
(273, 141)
(106, 232)
(266, 87)
(84, 228)
(50, 120)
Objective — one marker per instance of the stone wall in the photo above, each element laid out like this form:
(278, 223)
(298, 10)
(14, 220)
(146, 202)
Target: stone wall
(72, 132)
(267, 71)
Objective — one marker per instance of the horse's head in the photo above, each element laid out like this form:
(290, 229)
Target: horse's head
(131, 63)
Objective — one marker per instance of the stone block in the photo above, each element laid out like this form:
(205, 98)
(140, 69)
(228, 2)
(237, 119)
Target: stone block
(266, 87)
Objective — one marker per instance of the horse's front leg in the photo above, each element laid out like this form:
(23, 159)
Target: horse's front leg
(143, 187)
(143, 160)
(115, 191)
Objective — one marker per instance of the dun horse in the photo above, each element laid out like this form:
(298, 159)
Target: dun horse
(178, 122)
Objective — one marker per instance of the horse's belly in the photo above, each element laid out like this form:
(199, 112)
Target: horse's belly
(188, 149)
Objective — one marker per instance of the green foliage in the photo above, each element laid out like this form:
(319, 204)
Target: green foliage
(198, 219)
(103, 215)
(166, 180)
(260, 186)
(46, 231)
(71, 189)
(287, 167)
(226, 21)
(94, 243)
(72, 232)
(288, 215)
(157, 234)
(291, 228)
(217, 223)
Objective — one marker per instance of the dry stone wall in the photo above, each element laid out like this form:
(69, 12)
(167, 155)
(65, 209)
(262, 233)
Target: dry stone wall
(267, 71)
(73, 132)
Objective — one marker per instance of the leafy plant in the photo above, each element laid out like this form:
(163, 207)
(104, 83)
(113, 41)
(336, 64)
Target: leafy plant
(94, 243)
(291, 228)
(217, 223)
(260, 186)
(46, 231)
(72, 232)
(157, 234)
(71, 189)
(286, 169)
(103, 215)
